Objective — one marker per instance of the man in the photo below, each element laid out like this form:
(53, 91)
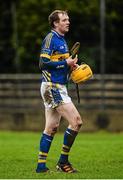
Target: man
(55, 63)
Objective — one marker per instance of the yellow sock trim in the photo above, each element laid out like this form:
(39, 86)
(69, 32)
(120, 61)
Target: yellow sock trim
(43, 153)
(66, 153)
(41, 160)
(67, 147)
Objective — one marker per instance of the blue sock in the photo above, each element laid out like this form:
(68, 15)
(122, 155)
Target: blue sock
(45, 144)
(69, 137)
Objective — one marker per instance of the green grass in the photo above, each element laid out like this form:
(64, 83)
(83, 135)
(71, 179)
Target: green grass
(95, 155)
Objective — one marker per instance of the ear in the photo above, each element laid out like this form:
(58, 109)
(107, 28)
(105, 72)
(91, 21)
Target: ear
(55, 23)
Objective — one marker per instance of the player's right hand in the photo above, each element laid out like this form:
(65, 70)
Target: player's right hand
(72, 61)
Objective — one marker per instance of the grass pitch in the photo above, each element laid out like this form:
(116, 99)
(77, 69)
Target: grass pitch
(95, 155)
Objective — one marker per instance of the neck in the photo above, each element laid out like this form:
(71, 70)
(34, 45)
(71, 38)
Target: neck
(56, 30)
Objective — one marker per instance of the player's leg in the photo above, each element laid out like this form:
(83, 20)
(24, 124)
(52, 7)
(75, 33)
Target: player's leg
(52, 122)
(70, 113)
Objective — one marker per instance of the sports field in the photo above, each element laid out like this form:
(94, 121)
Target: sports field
(95, 155)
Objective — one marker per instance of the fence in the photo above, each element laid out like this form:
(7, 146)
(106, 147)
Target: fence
(106, 93)
(20, 94)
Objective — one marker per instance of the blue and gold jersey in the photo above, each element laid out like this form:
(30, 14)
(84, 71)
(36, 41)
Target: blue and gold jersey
(54, 53)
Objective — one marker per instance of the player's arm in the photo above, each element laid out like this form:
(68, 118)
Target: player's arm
(45, 62)
(48, 47)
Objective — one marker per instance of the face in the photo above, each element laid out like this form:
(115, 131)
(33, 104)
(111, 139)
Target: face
(63, 25)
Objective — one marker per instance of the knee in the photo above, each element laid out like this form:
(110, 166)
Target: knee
(78, 123)
(51, 130)
(54, 130)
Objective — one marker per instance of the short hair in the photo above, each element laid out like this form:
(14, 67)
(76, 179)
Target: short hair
(54, 17)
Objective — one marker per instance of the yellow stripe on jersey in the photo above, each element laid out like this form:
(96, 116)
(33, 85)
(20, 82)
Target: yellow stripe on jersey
(48, 40)
(47, 77)
(45, 55)
(48, 74)
(57, 57)
(43, 75)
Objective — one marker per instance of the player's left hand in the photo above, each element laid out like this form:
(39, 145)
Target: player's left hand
(74, 67)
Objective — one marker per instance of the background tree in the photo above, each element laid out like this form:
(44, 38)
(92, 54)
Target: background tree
(7, 51)
(32, 26)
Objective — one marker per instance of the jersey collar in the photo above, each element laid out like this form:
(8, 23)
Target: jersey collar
(59, 35)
